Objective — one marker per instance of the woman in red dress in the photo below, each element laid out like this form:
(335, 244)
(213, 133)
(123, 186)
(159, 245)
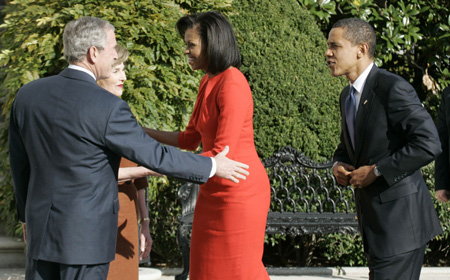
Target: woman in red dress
(230, 218)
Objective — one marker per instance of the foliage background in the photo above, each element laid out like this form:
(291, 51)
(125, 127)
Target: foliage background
(413, 38)
(282, 49)
(160, 88)
(296, 99)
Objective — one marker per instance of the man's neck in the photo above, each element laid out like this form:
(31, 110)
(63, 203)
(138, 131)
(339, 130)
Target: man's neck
(80, 67)
(359, 69)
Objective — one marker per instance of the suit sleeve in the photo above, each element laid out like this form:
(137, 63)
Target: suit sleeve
(125, 137)
(442, 171)
(20, 165)
(411, 122)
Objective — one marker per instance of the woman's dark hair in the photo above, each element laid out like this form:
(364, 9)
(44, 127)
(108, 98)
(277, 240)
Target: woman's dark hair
(217, 37)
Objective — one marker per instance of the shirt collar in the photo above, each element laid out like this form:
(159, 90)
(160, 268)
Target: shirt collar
(79, 68)
(361, 80)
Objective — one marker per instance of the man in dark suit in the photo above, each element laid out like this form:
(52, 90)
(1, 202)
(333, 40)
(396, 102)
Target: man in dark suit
(442, 171)
(386, 137)
(67, 136)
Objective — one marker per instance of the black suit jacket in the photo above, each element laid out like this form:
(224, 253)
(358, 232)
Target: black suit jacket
(394, 131)
(67, 136)
(442, 171)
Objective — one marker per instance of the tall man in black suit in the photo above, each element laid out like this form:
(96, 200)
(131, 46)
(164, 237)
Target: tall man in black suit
(386, 137)
(442, 171)
(67, 136)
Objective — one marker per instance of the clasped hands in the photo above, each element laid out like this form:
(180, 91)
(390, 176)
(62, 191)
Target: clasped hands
(346, 174)
(443, 195)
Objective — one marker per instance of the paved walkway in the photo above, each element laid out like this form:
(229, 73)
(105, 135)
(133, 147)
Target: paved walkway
(311, 273)
(12, 261)
(327, 273)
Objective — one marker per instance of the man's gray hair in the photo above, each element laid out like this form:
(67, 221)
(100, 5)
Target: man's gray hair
(83, 33)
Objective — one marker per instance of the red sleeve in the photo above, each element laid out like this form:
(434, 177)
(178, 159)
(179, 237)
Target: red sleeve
(235, 104)
(190, 138)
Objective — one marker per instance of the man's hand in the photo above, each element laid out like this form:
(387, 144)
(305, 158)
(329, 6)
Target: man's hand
(146, 240)
(230, 169)
(363, 176)
(342, 173)
(443, 195)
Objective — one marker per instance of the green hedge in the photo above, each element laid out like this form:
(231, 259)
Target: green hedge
(296, 99)
(413, 38)
(160, 90)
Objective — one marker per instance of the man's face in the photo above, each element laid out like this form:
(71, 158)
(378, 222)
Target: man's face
(342, 56)
(107, 56)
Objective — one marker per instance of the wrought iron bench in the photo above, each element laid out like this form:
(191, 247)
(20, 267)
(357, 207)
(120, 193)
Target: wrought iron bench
(305, 199)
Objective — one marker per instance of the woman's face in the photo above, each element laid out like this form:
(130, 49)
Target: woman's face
(194, 50)
(114, 83)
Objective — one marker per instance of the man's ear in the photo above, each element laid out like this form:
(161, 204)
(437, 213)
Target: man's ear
(92, 55)
(363, 50)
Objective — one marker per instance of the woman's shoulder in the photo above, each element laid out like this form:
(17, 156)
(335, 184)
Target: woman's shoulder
(232, 74)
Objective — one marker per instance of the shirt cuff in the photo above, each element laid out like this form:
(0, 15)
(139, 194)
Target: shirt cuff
(214, 167)
(334, 164)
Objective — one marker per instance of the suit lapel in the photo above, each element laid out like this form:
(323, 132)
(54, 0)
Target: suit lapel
(365, 105)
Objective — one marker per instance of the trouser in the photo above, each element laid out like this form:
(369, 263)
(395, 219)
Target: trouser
(405, 266)
(44, 270)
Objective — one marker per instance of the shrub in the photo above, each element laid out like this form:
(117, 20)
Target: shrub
(296, 102)
(295, 97)
(413, 38)
(160, 89)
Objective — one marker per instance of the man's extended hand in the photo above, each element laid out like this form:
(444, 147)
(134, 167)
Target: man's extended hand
(230, 169)
(342, 173)
(363, 176)
(443, 195)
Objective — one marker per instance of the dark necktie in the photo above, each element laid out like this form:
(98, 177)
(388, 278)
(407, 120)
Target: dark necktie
(350, 113)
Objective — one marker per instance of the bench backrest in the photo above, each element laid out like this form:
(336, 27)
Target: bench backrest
(299, 184)
(305, 198)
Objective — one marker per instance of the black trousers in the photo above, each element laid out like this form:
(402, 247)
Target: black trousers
(44, 270)
(405, 266)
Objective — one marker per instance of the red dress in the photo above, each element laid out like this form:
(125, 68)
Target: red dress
(230, 219)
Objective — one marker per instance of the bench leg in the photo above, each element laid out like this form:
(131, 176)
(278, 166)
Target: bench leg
(184, 243)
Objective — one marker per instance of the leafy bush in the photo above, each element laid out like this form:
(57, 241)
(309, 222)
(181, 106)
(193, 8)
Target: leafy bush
(295, 97)
(413, 38)
(438, 250)
(160, 89)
